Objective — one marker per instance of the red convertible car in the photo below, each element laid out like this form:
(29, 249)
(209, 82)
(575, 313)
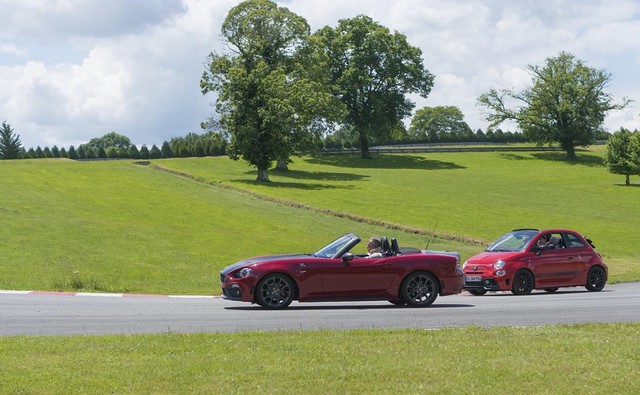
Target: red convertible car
(527, 259)
(333, 273)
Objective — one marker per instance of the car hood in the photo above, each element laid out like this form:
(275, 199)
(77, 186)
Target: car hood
(260, 259)
(489, 258)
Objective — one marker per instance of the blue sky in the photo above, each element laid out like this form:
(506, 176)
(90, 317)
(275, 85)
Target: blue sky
(72, 70)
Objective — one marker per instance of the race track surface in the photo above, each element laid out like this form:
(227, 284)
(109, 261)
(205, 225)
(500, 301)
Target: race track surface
(36, 313)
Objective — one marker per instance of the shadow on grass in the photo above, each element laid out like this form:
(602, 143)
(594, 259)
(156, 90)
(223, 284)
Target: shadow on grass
(294, 185)
(381, 161)
(318, 175)
(632, 185)
(581, 158)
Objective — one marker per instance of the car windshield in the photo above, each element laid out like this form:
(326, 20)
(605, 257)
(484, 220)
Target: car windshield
(512, 241)
(331, 249)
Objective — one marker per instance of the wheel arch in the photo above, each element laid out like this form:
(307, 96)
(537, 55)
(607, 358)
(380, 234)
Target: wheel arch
(296, 291)
(410, 272)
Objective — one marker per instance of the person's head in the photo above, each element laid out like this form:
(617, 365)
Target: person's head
(543, 240)
(374, 243)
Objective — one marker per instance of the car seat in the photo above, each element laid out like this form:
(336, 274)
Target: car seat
(394, 247)
(386, 248)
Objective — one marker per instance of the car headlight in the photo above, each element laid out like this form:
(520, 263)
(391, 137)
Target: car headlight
(499, 264)
(464, 265)
(244, 272)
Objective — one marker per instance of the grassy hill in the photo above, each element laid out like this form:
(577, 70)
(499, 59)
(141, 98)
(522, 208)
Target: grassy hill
(115, 226)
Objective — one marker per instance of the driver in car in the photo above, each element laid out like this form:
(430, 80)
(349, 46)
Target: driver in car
(374, 248)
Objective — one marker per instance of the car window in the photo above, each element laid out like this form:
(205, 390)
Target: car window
(550, 241)
(573, 241)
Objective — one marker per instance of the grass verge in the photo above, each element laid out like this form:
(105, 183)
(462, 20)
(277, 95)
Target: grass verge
(587, 359)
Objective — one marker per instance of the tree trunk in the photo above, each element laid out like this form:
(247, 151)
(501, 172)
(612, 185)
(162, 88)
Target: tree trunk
(364, 146)
(281, 164)
(571, 152)
(627, 182)
(263, 175)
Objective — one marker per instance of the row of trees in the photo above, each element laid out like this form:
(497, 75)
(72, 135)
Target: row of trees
(113, 146)
(280, 87)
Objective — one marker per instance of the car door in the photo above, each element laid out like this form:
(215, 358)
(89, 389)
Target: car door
(554, 265)
(359, 277)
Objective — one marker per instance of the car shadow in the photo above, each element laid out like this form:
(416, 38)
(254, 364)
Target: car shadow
(535, 293)
(301, 307)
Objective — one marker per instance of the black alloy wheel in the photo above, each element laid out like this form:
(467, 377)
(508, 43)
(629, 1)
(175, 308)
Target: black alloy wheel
(476, 292)
(420, 289)
(596, 278)
(275, 291)
(523, 283)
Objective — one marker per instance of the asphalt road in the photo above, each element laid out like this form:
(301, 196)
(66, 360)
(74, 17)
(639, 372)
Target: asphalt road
(43, 314)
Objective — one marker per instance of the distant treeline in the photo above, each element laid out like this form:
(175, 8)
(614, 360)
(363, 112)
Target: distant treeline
(212, 144)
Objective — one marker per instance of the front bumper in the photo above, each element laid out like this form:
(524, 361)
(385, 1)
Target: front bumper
(485, 284)
(240, 289)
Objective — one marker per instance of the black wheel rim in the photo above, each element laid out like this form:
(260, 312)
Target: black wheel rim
(275, 292)
(524, 283)
(596, 278)
(421, 289)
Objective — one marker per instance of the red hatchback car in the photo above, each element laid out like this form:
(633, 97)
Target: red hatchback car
(527, 259)
(333, 273)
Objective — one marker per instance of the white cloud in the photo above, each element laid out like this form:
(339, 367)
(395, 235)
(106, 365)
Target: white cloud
(72, 70)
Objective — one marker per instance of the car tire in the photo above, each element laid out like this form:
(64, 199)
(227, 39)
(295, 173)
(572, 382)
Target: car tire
(275, 291)
(420, 289)
(476, 292)
(523, 283)
(550, 290)
(596, 279)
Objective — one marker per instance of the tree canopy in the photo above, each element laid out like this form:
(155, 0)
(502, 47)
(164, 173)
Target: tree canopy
(272, 89)
(623, 153)
(440, 124)
(566, 103)
(372, 70)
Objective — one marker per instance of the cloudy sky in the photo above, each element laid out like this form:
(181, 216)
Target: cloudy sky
(72, 70)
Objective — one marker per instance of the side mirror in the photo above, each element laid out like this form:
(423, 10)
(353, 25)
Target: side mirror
(347, 257)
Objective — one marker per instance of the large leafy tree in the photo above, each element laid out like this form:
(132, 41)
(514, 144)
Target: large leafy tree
(103, 143)
(623, 153)
(566, 103)
(439, 124)
(273, 93)
(372, 71)
(10, 145)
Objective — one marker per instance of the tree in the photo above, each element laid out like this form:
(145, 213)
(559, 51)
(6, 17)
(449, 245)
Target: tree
(10, 145)
(112, 139)
(372, 70)
(623, 153)
(272, 88)
(566, 104)
(441, 120)
(144, 152)
(166, 150)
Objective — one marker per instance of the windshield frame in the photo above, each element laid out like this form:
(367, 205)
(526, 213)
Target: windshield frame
(514, 241)
(338, 247)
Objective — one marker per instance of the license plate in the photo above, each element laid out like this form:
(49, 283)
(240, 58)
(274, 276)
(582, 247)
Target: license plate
(472, 279)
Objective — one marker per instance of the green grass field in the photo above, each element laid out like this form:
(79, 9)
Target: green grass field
(585, 359)
(114, 226)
